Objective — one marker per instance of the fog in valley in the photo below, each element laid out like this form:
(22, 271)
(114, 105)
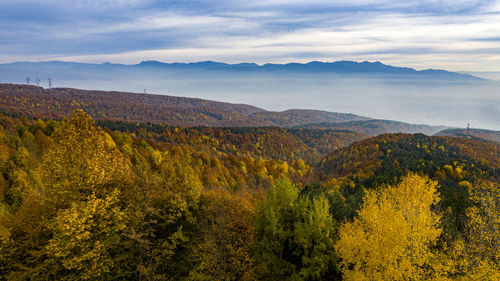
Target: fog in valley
(408, 98)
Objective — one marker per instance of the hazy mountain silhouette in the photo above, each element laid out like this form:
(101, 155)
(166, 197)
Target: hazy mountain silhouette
(339, 67)
(436, 97)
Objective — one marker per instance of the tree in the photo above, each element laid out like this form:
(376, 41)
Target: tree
(163, 226)
(314, 235)
(228, 236)
(85, 239)
(476, 256)
(392, 237)
(484, 221)
(295, 235)
(83, 161)
(274, 226)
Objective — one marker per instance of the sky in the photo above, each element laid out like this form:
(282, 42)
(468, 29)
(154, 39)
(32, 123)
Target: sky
(457, 35)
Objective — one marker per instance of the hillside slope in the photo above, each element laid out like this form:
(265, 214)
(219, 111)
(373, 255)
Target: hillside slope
(457, 164)
(478, 134)
(57, 103)
(376, 127)
(385, 154)
(370, 89)
(297, 117)
(267, 142)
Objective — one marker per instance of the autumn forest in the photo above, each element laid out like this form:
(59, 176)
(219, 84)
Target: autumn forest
(237, 140)
(237, 197)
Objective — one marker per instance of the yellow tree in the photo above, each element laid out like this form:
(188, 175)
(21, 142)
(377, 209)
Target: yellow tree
(484, 221)
(83, 160)
(392, 236)
(478, 257)
(85, 238)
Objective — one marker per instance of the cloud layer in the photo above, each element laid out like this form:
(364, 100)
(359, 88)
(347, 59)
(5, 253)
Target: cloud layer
(455, 35)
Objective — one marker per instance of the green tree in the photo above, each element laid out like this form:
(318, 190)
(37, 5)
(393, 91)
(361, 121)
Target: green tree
(274, 226)
(295, 235)
(314, 235)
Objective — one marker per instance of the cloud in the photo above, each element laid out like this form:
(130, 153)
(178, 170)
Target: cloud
(457, 35)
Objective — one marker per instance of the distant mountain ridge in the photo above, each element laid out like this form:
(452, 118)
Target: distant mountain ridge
(364, 88)
(338, 67)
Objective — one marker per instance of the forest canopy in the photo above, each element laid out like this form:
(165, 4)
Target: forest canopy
(115, 201)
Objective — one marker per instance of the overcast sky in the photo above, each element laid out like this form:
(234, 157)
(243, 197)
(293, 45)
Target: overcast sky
(458, 35)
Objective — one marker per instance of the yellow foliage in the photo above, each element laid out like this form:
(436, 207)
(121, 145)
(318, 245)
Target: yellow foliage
(83, 160)
(84, 237)
(484, 224)
(228, 236)
(448, 169)
(393, 233)
(465, 184)
(110, 143)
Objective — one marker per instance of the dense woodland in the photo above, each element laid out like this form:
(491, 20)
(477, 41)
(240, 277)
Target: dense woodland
(57, 103)
(476, 134)
(130, 201)
(376, 127)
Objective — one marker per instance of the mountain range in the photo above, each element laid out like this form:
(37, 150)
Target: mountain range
(372, 89)
(71, 70)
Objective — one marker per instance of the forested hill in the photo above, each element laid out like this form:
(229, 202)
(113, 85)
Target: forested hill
(282, 144)
(128, 201)
(478, 134)
(456, 164)
(389, 155)
(37, 102)
(376, 127)
(57, 103)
